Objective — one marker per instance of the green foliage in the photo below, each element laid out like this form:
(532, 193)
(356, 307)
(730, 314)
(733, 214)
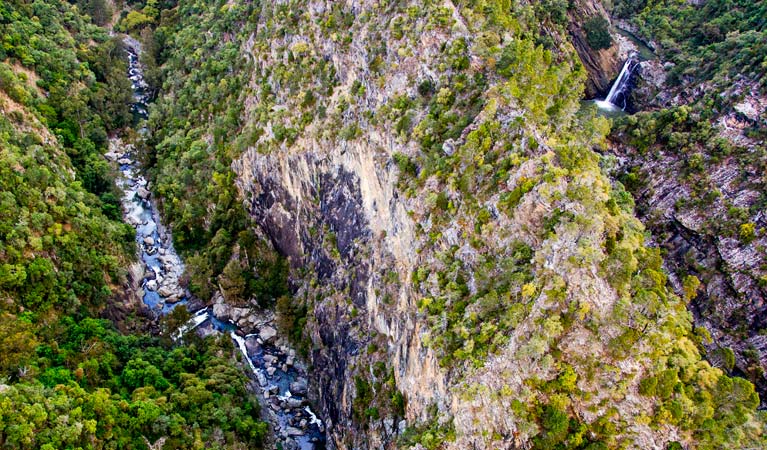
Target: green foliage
(431, 434)
(714, 40)
(291, 318)
(192, 174)
(58, 250)
(598, 33)
(728, 358)
(690, 284)
(73, 381)
(135, 20)
(125, 389)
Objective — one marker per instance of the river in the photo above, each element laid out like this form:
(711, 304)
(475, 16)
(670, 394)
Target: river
(280, 380)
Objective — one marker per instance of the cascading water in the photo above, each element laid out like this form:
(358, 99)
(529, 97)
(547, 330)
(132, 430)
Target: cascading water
(280, 377)
(619, 92)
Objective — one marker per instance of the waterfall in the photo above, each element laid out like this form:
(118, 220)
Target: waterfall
(619, 89)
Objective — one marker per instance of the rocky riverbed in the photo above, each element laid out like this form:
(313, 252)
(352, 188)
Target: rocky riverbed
(280, 379)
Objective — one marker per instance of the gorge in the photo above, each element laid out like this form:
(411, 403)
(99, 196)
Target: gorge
(382, 224)
(282, 383)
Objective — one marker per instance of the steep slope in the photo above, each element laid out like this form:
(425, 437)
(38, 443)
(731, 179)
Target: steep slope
(458, 259)
(69, 379)
(696, 160)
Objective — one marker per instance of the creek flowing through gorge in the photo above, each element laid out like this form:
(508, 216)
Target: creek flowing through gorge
(279, 378)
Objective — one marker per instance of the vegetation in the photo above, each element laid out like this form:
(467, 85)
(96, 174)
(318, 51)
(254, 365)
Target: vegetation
(598, 33)
(505, 293)
(721, 40)
(528, 250)
(70, 380)
(717, 48)
(190, 155)
(88, 386)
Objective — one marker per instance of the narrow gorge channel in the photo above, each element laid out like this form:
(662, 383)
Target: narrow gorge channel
(279, 378)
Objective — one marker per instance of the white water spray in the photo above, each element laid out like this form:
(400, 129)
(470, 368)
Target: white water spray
(619, 89)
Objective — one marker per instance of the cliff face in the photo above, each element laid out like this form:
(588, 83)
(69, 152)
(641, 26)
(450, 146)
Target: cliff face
(602, 65)
(701, 197)
(448, 226)
(463, 274)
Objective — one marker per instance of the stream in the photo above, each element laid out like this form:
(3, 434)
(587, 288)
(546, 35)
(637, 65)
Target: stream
(280, 378)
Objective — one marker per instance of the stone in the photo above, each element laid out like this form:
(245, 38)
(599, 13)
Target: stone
(294, 403)
(261, 378)
(448, 147)
(149, 240)
(388, 425)
(293, 431)
(290, 361)
(169, 291)
(267, 333)
(124, 161)
(271, 370)
(143, 193)
(300, 386)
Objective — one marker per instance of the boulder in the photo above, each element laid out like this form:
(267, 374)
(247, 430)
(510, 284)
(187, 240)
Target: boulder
(267, 333)
(261, 378)
(143, 193)
(169, 291)
(300, 386)
(294, 403)
(292, 431)
(149, 240)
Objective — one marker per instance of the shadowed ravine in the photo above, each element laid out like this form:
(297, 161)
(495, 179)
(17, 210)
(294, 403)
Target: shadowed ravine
(280, 379)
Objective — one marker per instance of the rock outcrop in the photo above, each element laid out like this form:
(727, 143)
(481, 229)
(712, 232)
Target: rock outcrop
(463, 274)
(371, 250)
(602, 65)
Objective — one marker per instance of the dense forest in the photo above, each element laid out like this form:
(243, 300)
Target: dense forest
(540, 311)
(71, 380)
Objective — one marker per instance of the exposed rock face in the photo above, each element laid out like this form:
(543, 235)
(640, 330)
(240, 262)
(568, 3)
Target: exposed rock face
(340, 216)
(702, 239)
(331, 199)
(602, 65)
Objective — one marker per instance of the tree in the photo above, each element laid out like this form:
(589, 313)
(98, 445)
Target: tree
(598, 33)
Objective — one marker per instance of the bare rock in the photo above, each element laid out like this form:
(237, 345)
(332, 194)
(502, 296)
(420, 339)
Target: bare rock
(267, 333)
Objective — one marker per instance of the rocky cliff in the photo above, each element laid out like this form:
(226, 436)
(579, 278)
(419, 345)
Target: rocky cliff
(695, 160)
(463, 274)
(601, 65)
(699, 189)
(437, 230)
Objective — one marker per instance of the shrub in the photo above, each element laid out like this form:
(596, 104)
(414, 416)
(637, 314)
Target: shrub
(598, 33)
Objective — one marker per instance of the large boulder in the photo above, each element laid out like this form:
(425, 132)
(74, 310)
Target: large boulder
(267, 333)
